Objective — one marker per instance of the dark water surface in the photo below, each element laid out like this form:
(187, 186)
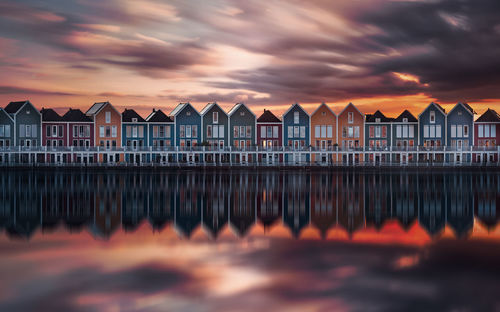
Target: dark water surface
(249, 240)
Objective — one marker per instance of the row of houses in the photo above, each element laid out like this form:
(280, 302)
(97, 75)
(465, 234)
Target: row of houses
(102, 125)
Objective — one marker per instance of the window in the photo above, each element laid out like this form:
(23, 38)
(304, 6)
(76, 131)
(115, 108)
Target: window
(411, 131)
(275, 132)
(215, 117)
(249, 131)
(263, 132)
(101, 131)
(134, 131)
(317, 131)
(215, 131)
(113, 131)
(54, 131)
(453, 131)
(269, 132)
(7, 131)
(459, 131)
(108, 117)
(242, 113)
(296, 133)
(141, 131)
(128, 131)
(303, 132)
(209, 131)
(329, 132)
(350, 134)
(242, 131)
(2, 131)
(75, 131)
(182, 132)
(377, 132)
(22, 131)
(350, 117)
(398, 131)
(377, 119)
(466, 131)
(432, 116)
(48, 131)
(438, 131)
(356, 132)
(108, 131)
(432, 132)
(60, 131)
(480, 131)
(188, 131)
(290, 131)
(426, 131)
(155, 131)
(28, 131)
(235, 131)
(296, 117)
(492, 130)
(405, 119)
(323, 131)
(486, 131)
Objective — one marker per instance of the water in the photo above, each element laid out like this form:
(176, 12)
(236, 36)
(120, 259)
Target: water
(349, 240)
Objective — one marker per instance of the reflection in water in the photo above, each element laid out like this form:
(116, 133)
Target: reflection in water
(351, 200)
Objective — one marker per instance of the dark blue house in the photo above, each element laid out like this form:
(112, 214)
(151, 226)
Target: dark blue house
(459, 131)
(432, 128)
(296, 129)
(187, 125)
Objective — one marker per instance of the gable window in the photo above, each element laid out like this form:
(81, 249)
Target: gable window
(432, 116)
(188, 113)
(215, 117)
(108, 117)
(377, 119)
(134, 119)
(242, 113)
(350, 117)
(296, 117)
(405, 119)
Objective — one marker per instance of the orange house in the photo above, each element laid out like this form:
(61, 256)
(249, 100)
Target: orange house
(323, 132)
(107, 131)
(351, 132)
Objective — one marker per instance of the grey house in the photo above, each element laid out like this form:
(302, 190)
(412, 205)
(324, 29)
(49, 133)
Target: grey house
(241, 126)
(215, 124)
(28, 122)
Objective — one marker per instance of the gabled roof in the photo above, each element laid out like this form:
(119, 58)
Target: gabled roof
(377, 114)
(268, 116)
(48, 114)
(209, 106)
(291, 107)
(158, 116)
(179, 108)
(466, 106)
(489, 116)
(323, 104)
(97, 107)
(237, 106)
(14, 107)
(76, 115)
(406, 114)
(435, 105)
(129, 114)
(350, 104)
(6, 114)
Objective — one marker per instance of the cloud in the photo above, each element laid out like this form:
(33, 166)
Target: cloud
(28, 92)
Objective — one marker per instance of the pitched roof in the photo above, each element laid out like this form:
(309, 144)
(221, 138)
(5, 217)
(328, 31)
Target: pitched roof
(13, 107)
(433, 104)
(48, 114)
(465, 105)
(469, 107)
(129, 114)
(268, 116)
(158, 116)
(350, 104)
(406, 114)
(489, 115)
(321, 105)
(6, 114)
(76, 115)
(237, 106)
(94, 109)
(178, 108)
(298, 105)
(377, 114)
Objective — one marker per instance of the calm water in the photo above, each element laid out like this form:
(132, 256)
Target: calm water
(249, 240)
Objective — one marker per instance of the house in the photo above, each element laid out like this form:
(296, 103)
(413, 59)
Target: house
(323, 132)
(269, 135)
(404, 136)
(134, 136)
(459, 128)
(161, 134)
(487, 136)
(378, 129)
(54, 135)
(187, 125)
(351, 125)
(80, 134)
(242, 130)
(431, 133)
(6, 133)
(215, 124)
(107, 130)
(296, 132)
(27, 121)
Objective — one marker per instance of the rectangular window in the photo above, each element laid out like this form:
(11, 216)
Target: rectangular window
(75, 131)
(108, 131)
(351, 132)
(459, 131)
(296, 133)
(317, 131)
(275, 132)
(209, 131)
(432, 116)
(303, 132)
(384, 131)
(249, 131)
(480, 131)
(377, 132)
(242, 131)
(188, 131)
(48, 131)
(296, 117)
(492, 130)
(398, 131)
(323, 131)
(329, 132)
(28, 131)
(356, 132)
(263, 132)
(235, 132)
(54, 131)
(155, 131)
(221, 131)
(141, 131)
(108, 117)
(269, 132)
(215, 117)
(22, 131)
(215, 130)
(101, 131)
(426, 131)
(290, 132)
(82, 131)
(128, 131)
(486, 131)
(432, 132)
(167, 131)
(453, 133)
(2, 131)
(60, 131)
(350, 117)
(113, 131)
(466, 131)
(7, 130)
(411, 131)
(182, 131)
(134, 131)
(438, 131)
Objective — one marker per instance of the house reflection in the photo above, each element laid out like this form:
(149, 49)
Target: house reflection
(103, 203)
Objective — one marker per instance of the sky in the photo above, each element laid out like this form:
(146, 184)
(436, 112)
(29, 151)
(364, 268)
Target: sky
(144, 54)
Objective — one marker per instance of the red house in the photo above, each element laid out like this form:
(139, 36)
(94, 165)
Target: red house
(487, 136)
(269, 134)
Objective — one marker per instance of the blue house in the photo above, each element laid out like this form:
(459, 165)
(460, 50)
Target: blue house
(187, 125)
(459, 131)
(28, 123)
(161, 133)
(432, 127)
(134, 135)
(215, 125)
(6, 129)
(296, 130)
(242, 123)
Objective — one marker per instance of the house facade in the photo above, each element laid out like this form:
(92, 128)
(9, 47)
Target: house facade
(215, 124)
(54, 129)
(378, 130)
(296, 132)
(269, 135)
(80, 134)
(107, 130)
(6, 129)
(404, 136)
(459, 130)
(323, 132)
(242, 126)
(27, 123)
(134, 136)
(432, 125)
(187, 125)
(487, 136)
(351, 130)
(161, 130)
